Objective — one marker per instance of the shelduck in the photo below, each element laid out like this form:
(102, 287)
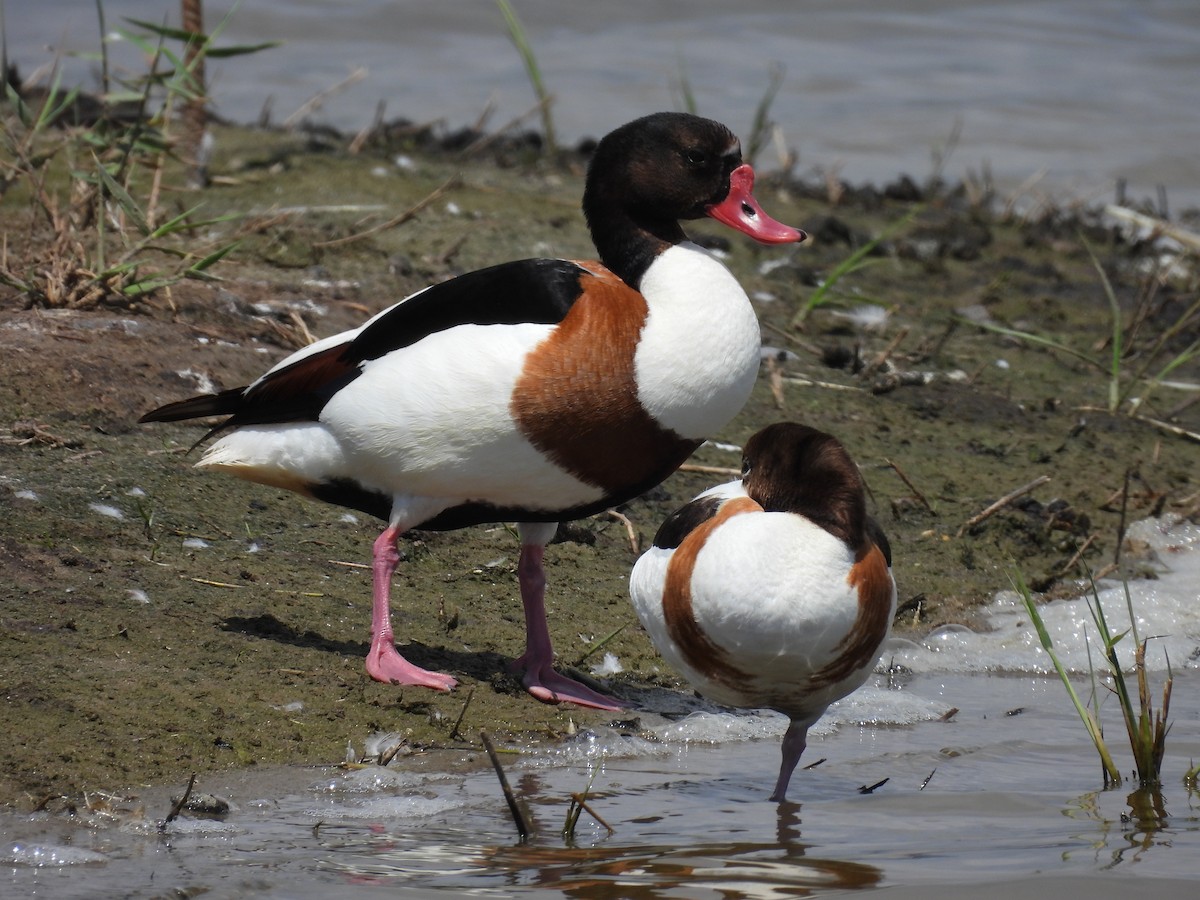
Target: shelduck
(774, 591)
(534, 391)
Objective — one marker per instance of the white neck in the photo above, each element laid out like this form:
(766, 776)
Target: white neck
(698, 356)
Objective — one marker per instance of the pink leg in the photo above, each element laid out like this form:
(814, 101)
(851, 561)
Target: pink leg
(794, 742)
(383, 662)
(540, 679)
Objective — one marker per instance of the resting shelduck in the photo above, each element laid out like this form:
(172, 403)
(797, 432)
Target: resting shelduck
(532, 392)
(774, 591)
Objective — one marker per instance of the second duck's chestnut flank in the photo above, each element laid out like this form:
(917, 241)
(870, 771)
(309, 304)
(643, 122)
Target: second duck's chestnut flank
(774, 591)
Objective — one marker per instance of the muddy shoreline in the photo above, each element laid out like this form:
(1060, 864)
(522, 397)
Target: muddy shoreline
(156, 621)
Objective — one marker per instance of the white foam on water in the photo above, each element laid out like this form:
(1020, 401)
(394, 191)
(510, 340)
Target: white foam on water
(48, 855)
(1166, 608)
(405, 806)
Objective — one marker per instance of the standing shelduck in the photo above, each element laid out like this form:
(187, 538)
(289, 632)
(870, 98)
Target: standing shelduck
(534, 391)
(775, 591)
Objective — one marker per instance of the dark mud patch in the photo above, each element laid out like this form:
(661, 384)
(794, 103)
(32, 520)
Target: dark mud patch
(155, 621)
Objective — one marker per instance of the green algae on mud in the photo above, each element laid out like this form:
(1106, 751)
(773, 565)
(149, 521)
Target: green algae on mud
(156, 620)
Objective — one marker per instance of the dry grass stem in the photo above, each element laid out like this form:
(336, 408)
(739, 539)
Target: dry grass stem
(775, 377)
(179, 804)
(1001, 503)
(583, 804)
(912, 487)
(884, 355)
(1070, 563)
(635, 542)
(485, 141)
(410, 213)
(829, 385)
(514, 808)
(210, 582)
(315, 102)
(710, 470)
(454, 732)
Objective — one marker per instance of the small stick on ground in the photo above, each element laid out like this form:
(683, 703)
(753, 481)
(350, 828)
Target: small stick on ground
(211, 583)
(829, 385)
(315, 102)
(884, 355)
(179, 804)
(710, 470)
(928, 778)
(1121, 522)
(486, 141)
(409, 213)
(1070, 564)
(454, 732)
(775, 377)
(635, 543)
(600, 644)
(870, 789)
(513, 807)
(792, 339)
(579, 799)
(1001, 503)
(920, 497)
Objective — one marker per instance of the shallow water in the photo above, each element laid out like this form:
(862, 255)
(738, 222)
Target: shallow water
(982, 774)
(1073, 94)
(989, 796)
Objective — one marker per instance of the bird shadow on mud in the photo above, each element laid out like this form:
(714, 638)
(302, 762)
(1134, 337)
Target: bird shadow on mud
(483, 665)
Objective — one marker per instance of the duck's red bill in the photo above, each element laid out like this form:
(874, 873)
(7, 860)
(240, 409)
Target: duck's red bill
(739, 210)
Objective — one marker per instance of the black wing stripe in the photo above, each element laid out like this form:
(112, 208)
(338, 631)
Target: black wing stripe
(679, 524)
(527, 290)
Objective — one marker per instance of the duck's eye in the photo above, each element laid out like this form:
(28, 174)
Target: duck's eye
(696, 157)
(745, 467)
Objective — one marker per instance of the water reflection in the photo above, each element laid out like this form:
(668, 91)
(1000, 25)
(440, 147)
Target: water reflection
(731, 869)
(1127, 836)
(692, 822)
(778, 865)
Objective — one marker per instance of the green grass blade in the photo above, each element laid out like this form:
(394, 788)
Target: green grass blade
(1036, 339)
(852, 263)
(24, 114)
(148, 286)
(516, 33)
(124, 200)
(761, 126)
(214, 257)
(1111, 773)
(1114, 308)
(685, 87)
(179, 223)
(164, 31)
(240, 50)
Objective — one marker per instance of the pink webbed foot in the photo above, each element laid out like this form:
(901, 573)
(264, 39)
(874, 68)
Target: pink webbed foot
(547, 685)
(540, 679)
(385, 664)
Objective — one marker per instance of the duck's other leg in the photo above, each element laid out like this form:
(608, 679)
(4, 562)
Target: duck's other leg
(384, 663)
(794, 741)
(540, 679)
